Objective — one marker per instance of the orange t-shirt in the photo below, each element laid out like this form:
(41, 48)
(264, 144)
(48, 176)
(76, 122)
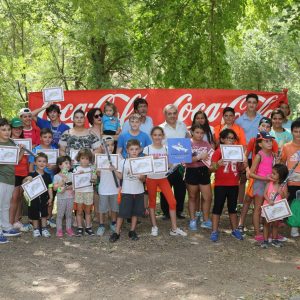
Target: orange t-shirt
(237, 129)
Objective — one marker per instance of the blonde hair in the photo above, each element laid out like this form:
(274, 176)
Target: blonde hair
(135, 116)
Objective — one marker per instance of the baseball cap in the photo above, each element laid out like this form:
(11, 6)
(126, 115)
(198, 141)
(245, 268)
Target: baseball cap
(264, 136)
(265, 120)
(23, 111)
(16, 122)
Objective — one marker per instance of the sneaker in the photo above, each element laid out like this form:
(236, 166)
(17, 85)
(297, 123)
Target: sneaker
(79, 231)
(45, 233)
(36, 233)
(112, 227)
(132, 235)
(59, 233)
(295, 232)
(180, 216)
(276, 244)
(259, 238)
(26, 227)
(89, 231)
(154, 231)
(214, 236)
(3, 239)
(206, 224)
(193, 225)
(100, 230)
(241, 229)
(237, 234)
(17, 225)
(261, 227)
(177, 231)
(281, 238)
(11, 232)
(199, 216)
(114, 237)
(264, 245)
(70, 232)
(51, 222)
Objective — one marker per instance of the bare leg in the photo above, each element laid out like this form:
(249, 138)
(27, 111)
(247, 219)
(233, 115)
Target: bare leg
(207, 197)
(242, 188)
(192, 193)
(14, 205)
(133, 223)
(275, 230)
(79, 215)
(233, 221)
(247, 203)
(88, 219)
(266, 230)
(96, 207)
(256, 214)
(173, 219)
(35, 224)
(215, 222)
(119, 225)
(152, 216)
(113, 216)
(44, 222)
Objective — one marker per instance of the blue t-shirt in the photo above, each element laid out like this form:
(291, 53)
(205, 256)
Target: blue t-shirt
(110, 123)
(57, 131)
(125, 137)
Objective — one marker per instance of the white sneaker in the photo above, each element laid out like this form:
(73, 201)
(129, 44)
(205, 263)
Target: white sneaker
(17, 225)
(46, 233)
(154, 231)
(295, 232)
(177, 231)
(36, 233)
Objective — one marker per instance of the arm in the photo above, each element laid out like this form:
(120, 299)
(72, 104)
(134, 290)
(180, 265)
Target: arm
(266, 194)
(119, 174)
(31, 167)
(38, 110)
(254, 168)
(50, 192)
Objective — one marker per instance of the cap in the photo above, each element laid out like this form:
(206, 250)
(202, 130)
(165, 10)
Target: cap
(16, 122)
(265, 120)
(264, 136)
(24, 111)
(108, 138)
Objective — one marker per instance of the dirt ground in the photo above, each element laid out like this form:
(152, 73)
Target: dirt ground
(162, 267)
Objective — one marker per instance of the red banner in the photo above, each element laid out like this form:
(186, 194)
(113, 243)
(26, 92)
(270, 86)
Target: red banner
(188, 101)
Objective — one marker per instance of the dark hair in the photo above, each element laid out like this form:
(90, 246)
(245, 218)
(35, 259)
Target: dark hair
(139, 101)
(40, 154)
(133, 142)
(157, 128)
(53, 107)
(111, 105)
(77, 111)
(205, 126)
(85, 152)
(92, 112)
(282, 171)
(277, 111)
(224, 134)
(197, 126)
(45, 131)
(60, 160)
(22, 133)
(282, 102)
(4, 122)
(252, 96)
(228, 109)
(295, 124)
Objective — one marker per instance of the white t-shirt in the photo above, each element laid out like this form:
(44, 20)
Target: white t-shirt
(156, 153)
(180, 131)
(68, 193)
(107, 184)
(131, 184)
(88, 189)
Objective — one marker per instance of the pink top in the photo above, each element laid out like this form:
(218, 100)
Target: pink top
(198, 148)
(265, 166)
(271, 193)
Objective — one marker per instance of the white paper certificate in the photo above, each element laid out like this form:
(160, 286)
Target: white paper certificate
(26, 142)
(103, 163)
(73, 154)
(160, 165)
(34, 188)
(51, 153)
(232, 153)
(81, 180)
(141, 165)
(278, 211)
(9, 155)
(55, 94)
(207, 161)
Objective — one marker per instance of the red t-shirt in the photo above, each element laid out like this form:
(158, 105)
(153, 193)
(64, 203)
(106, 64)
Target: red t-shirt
(22, 168)
(198, 148)
(226, 175)
(33, 134)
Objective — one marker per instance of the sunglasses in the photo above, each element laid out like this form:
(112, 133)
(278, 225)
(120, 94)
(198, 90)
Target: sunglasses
(97, 116)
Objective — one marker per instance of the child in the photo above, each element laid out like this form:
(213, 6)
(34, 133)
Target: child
(197, 177)
(84, 196)
(290, 158)
(279, 173)
(154, 181)
(108, 193)
(38, 208)
(226, 187)
(133, 133)
(132, 197)
(62, 183)
(261, 171)
(111, 123)
(7, 184)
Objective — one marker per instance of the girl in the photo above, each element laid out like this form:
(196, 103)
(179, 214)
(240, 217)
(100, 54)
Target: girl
(286, 124)
(84, 196)
(111, 123)
(197, 177)
(279, 173)
(62, 183)
(153, 181)
(226, 187)
(261, 171)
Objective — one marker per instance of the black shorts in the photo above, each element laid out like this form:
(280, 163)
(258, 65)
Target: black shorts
(38, 209)
(19, 180)
(131, 205)
(196, 176)
(222, 193)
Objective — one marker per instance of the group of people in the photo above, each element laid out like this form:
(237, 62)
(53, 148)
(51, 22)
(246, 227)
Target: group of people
(271, 148)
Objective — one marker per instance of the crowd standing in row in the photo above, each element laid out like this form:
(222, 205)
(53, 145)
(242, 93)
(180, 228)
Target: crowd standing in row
(270, 145)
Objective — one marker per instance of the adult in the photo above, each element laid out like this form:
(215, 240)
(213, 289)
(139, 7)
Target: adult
(174, 128)
(140, 106)
(94, 116)
(286, 124)
(54, 123)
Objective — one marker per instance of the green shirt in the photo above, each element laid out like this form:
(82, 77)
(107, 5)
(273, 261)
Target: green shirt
(7, 172)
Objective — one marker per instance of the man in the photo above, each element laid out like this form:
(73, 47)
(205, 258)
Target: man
(140, 106)
(174, 129)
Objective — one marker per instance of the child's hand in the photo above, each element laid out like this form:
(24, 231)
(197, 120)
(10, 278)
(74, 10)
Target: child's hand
(220, 162)
(112, 168)
(271, 202)
(269, 178)
(142, 178)
(203, 155)
(49, 202)
(28, 179)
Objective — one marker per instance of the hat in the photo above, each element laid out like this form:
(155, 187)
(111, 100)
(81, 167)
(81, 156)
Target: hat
(108, 138)
(24, 111)
(265, 120)
(16, 122)
(263, 135)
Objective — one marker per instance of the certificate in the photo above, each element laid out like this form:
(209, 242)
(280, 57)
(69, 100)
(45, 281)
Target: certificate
(34, 188)
(207, 161)
(103, 163)
(51, 153)
(278, 211)
(26, 142)
(232, 153)
(73, 154)
(141, 165)
(55, 94)
(160, 164)
(81, 180)
(9, 155)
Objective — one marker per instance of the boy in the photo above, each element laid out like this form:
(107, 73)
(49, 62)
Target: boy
(38, 208)
(7, 185)
(133, 133)
(31, 131)
(132, 197)
(290, 156)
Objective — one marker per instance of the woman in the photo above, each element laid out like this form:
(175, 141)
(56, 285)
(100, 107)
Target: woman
(286, 110)
(94, 116)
